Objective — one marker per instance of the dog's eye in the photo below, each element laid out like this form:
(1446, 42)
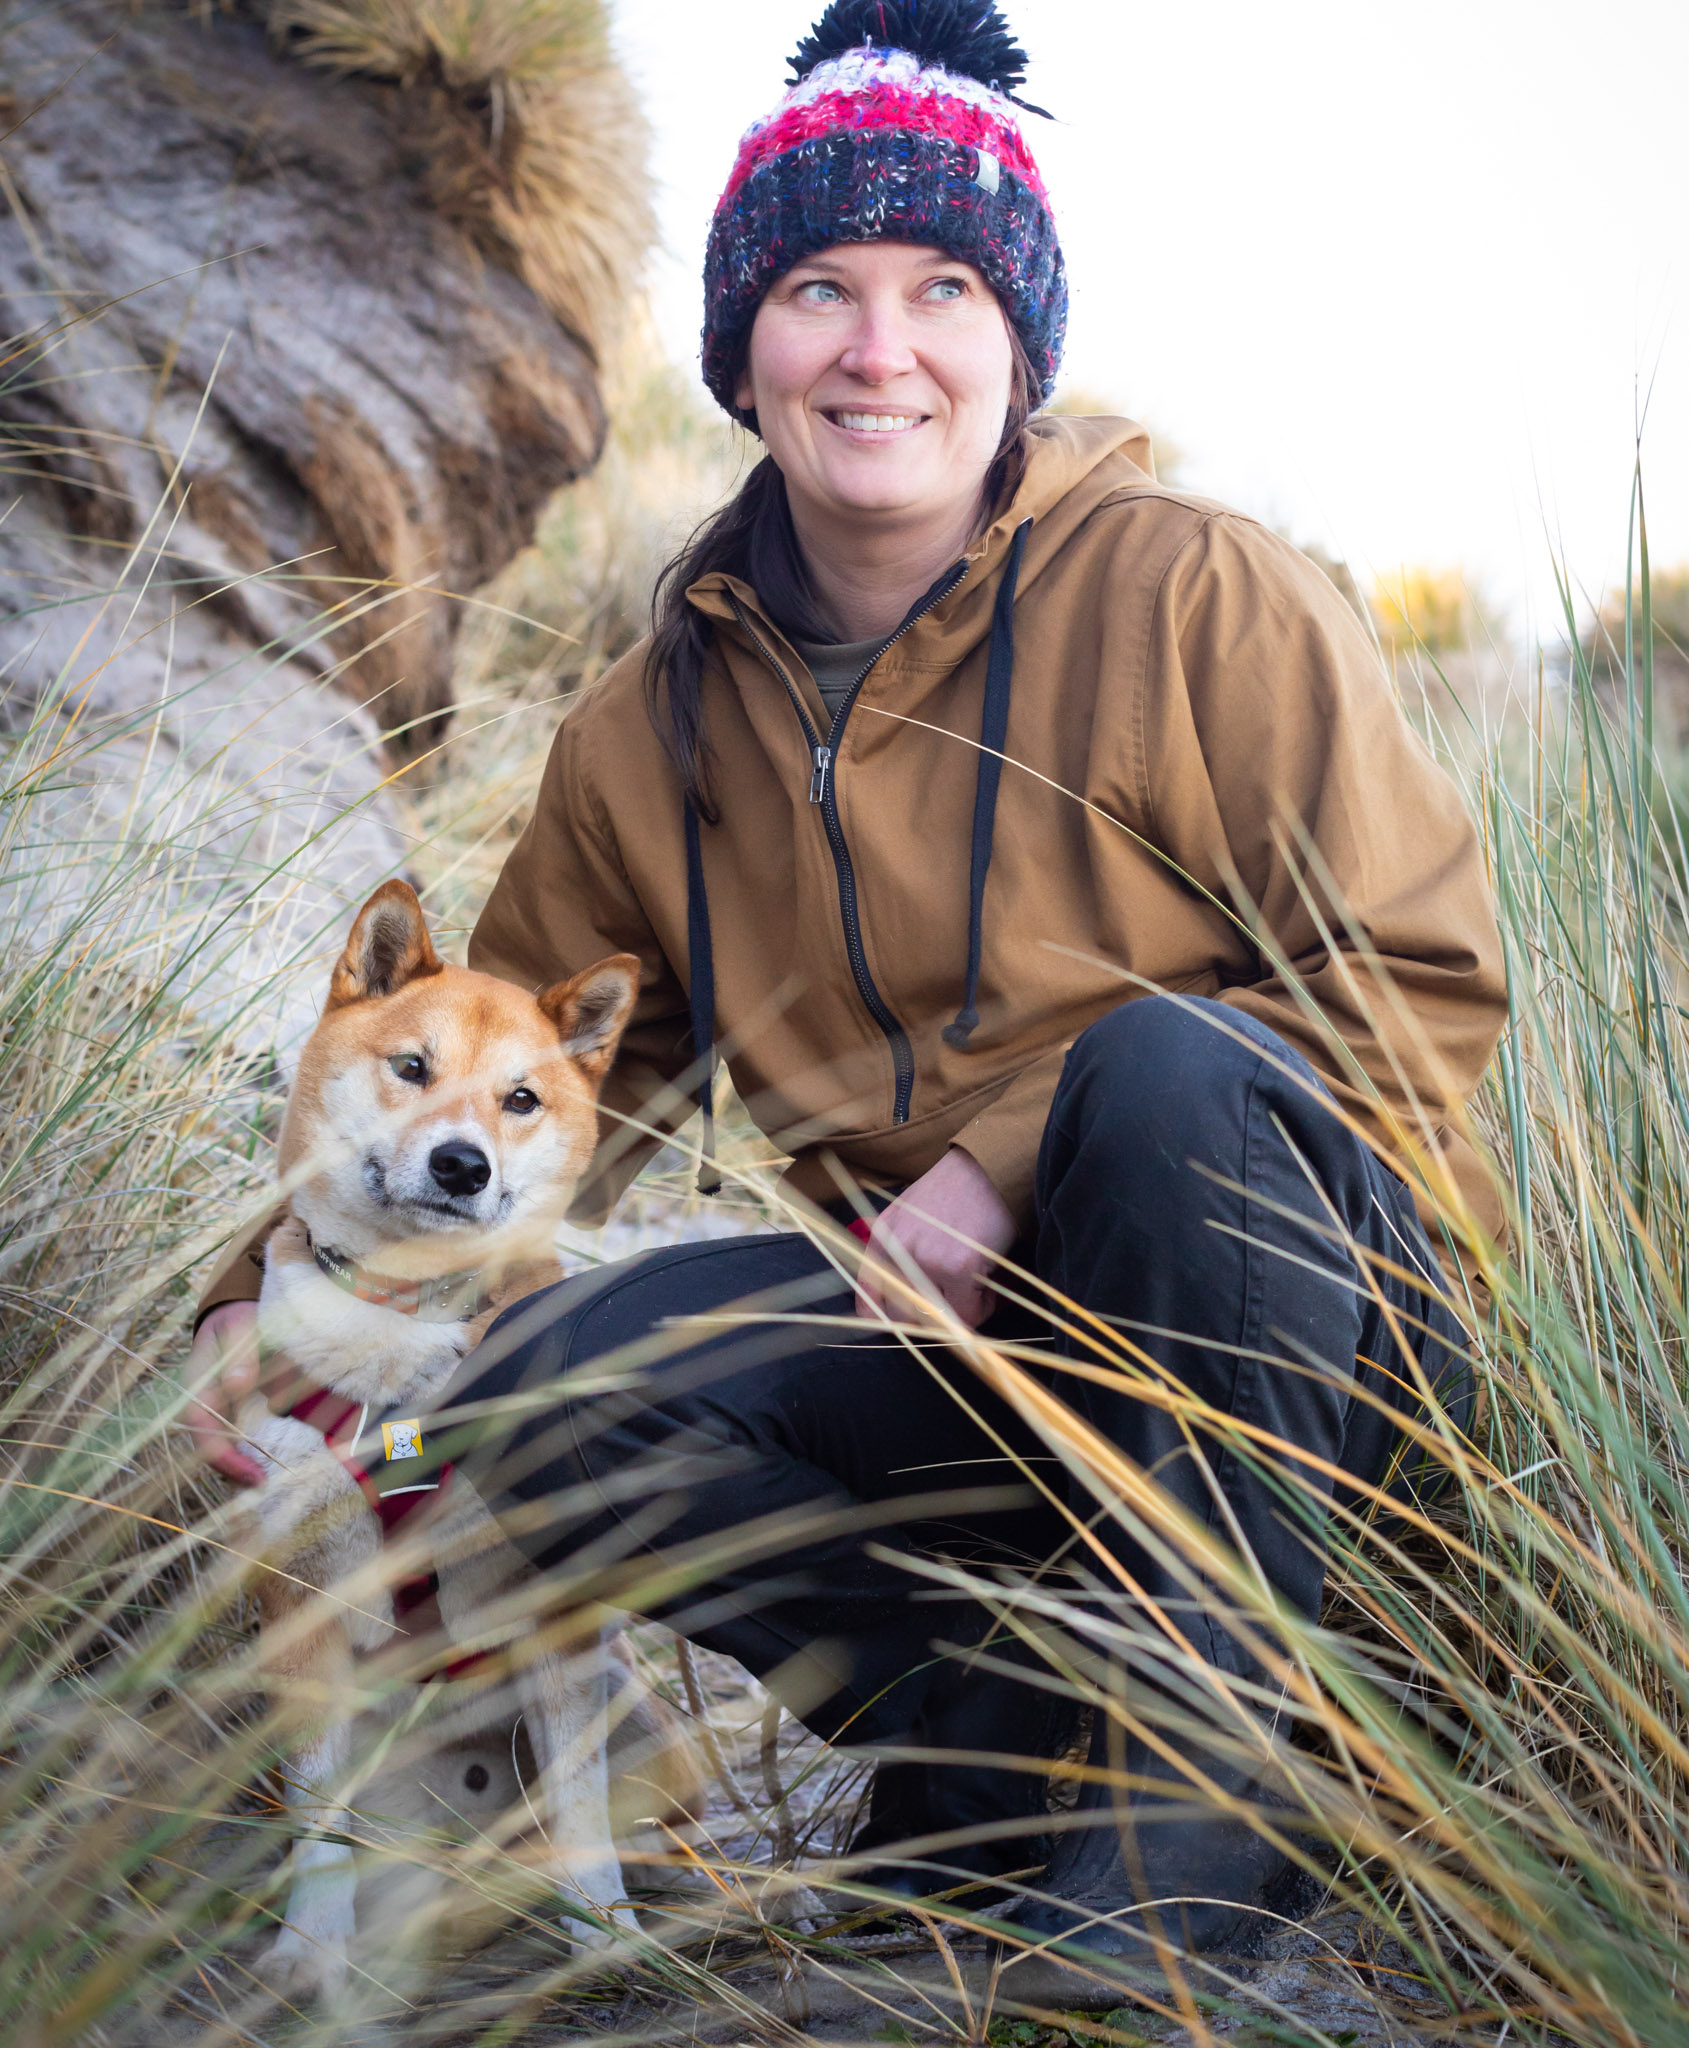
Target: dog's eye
(411, 1067)
(521, 1102)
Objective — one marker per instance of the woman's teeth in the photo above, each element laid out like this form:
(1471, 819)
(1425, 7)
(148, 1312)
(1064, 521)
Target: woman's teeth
(877, 422)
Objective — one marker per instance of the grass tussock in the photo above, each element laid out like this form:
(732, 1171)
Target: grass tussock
(534, 137)
(1485, 1743)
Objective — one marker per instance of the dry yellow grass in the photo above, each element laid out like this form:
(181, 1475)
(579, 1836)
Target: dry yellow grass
(536, 141)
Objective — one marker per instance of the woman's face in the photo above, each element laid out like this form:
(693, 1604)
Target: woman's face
(880, 376)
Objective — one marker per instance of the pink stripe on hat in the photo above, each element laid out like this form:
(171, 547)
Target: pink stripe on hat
(925, 112)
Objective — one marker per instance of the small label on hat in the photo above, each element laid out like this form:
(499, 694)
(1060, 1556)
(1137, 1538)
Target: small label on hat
(986, 177)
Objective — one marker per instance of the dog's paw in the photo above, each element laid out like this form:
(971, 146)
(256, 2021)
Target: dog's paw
(605, 1933)
(299, 1968)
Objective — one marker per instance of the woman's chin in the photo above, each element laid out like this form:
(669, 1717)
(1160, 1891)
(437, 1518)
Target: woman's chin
(880, 487)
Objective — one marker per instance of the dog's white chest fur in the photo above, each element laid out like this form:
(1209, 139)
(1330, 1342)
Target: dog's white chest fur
(365, 1352)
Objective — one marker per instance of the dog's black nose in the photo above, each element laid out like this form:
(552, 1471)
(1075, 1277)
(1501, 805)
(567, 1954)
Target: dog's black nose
(459, 1167)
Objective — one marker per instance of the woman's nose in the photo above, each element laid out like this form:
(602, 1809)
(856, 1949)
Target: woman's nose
(879, 349)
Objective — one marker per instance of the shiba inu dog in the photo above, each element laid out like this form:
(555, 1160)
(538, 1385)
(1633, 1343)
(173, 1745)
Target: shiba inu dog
(440, 1120)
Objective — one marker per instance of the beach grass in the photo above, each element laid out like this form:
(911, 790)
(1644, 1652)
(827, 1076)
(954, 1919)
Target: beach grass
(1484, 1743)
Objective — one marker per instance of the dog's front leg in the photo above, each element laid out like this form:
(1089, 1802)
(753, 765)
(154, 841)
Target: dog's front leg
(566, 1702)
(311, 1678)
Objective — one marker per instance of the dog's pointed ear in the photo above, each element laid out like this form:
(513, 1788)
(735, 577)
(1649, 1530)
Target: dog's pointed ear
(389, 946)
(591, 1009)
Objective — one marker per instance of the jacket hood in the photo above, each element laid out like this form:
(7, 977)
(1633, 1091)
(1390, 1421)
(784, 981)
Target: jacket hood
(1072, 466)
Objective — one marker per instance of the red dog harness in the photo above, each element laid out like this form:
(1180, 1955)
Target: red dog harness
(345, 1424)
(377, 1455)
(381, 1453)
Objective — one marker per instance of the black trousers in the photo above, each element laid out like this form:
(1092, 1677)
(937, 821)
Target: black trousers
(759, 1483)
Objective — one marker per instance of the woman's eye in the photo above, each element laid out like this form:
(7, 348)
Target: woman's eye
(818, 292)
(411, 1067)
(946, 288)
(521, 1102)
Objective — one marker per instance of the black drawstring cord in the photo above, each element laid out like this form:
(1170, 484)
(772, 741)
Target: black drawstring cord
(993, 736)
(994, 733)
(701, 995)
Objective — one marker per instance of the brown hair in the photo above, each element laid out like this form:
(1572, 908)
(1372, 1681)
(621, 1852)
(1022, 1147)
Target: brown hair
(752, 537)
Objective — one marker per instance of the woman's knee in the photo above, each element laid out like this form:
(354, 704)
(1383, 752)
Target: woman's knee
(1160, 1067)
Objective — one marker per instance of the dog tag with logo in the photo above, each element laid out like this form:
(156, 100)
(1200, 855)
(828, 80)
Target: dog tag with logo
(401, 1440)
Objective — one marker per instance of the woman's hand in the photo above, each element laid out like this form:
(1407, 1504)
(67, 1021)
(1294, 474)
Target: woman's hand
(951, 1223)
(225, 1359)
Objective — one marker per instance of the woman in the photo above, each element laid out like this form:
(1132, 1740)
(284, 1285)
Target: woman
(1049, 859)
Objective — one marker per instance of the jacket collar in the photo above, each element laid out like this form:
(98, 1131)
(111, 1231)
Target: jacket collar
(1072, 465)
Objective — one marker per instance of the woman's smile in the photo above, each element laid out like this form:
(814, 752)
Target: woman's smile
(872, 425)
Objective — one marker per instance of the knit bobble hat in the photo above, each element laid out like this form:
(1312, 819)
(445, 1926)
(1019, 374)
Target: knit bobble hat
(900, 125)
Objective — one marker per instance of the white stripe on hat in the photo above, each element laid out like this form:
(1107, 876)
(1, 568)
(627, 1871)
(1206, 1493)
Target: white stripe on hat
(861, 71)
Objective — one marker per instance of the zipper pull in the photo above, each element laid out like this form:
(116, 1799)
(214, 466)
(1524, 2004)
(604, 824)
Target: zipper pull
(818, 781)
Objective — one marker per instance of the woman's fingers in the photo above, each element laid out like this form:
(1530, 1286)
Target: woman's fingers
(950, 1224)
(961, 1278)
(957, 1271)
(223, 1370)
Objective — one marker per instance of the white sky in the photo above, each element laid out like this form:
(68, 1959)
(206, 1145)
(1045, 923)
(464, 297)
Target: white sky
(1393, 275)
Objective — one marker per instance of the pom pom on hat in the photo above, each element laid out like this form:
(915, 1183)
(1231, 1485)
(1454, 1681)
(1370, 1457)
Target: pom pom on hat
(959, 36)
(900, 125)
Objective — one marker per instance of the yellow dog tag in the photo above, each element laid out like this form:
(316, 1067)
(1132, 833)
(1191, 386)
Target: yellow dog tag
(402, 1439)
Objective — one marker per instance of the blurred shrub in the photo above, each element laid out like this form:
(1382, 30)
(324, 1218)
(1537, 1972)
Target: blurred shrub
(1438, 611)
(1668, 596)
(1082, 401)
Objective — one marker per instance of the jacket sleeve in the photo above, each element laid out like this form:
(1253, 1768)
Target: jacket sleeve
(561, 902)
(1004, 1137)
(239, 1274)
(1281, 777)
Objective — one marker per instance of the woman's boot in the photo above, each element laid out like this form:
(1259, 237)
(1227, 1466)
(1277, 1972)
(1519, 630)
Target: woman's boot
(1153, 1865)
(942, 1827)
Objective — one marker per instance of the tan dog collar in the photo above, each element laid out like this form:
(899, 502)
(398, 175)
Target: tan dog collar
(446, 1298)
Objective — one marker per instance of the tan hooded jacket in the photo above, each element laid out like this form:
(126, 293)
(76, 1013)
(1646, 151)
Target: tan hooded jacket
(1208, 788)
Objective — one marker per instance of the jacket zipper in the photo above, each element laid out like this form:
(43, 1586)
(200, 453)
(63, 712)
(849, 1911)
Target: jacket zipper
(821, 779)
(821, 791)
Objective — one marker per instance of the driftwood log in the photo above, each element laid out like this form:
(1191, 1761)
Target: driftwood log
(269, 411)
